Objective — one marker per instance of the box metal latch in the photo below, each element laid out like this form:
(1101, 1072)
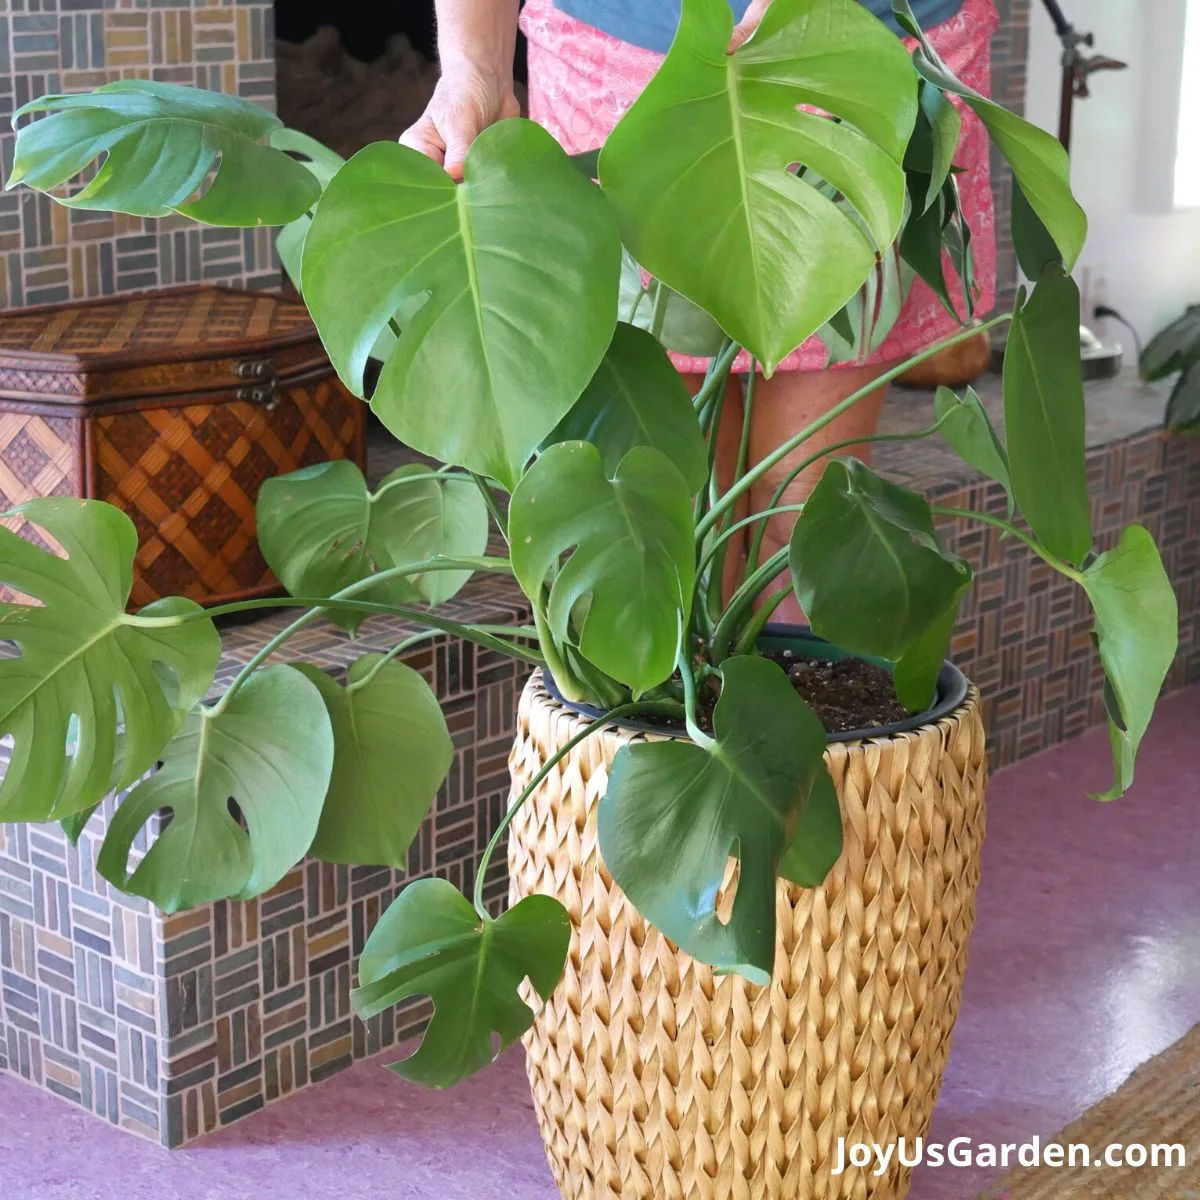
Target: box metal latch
(264, 388)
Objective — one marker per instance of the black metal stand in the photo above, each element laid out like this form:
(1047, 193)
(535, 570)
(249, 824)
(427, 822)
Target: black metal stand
(1101, 359)
(1077, 67)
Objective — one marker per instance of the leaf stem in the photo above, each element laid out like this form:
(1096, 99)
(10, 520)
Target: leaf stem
(501, 566)
(716, 375)
(427, 635)
(388, 485)
(658, 313)
(616, 714)
(784, 449)
(750, 520)
(439, 623)
(742, 599)
(564, 677)
(1009, 528)
(690, 705)
(493, 506)
(758, 621)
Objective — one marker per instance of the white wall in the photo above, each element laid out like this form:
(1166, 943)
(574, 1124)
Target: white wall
(1142, 256)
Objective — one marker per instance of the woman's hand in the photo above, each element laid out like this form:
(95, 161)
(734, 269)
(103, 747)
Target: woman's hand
(476, 40)
(464, 103)
(748, 24)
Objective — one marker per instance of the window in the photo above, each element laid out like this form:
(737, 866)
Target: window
(1187, 159)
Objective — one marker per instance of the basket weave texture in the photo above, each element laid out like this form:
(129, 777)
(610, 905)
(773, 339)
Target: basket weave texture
(655, 1080)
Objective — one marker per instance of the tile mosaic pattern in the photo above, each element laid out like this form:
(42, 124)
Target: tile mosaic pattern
(49, 253)
(172, 1026)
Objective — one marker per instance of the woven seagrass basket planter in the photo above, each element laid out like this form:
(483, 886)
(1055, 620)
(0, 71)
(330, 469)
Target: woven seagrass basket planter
(655, 1080)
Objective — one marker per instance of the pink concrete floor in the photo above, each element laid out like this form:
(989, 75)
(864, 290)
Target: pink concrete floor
(1086, 962)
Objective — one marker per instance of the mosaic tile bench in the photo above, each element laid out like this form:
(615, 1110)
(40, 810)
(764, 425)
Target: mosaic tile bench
(170, 1027)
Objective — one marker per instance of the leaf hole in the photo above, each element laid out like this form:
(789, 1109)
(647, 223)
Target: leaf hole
(168, 680)
(727, 893)
(235, 811)
(207, 182)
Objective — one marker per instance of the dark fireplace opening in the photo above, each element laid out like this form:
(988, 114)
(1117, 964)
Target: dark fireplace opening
(351, 72)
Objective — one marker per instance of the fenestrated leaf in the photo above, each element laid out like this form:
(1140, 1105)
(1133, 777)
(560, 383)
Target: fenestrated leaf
(391, 751)
(686, 327)
(698, 169)
(867, 565)
(323, 164)
(632, 555)
(1037, 158)
(675, 812)
(161, 142)
(1137, 634)
(1044, 422)
(431, 942)
(518, 267)
(1176, 348)
(321, 529)
(270, 752)
(1183, 408)
(84, 666)
(966, 428)
(637, 398)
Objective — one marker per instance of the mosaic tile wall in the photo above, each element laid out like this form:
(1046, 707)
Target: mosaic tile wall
(49, 253)
(172, 1026)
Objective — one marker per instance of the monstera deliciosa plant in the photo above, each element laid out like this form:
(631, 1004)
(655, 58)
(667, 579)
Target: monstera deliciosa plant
(523, 319)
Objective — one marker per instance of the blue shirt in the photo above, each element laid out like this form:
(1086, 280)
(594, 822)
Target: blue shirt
(651, 23)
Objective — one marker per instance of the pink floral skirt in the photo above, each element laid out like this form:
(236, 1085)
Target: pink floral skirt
(581, 81)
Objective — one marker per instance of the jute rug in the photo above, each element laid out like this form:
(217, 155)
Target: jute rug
(1159, 1104)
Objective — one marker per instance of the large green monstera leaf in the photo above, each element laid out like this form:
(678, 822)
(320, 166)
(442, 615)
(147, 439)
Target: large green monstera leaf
(627, 585)
(321, 529)
(507, 286)
(637, 398)
(1137, 634)
(699, 169)
(270, 752)
(431, 942)
(161, 141)
(84, 668)
(391, 752)
(675, 812)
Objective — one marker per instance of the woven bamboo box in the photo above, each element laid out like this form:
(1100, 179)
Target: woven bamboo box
(175, 406)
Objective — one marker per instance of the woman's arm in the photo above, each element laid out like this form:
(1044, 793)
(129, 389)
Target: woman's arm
(476, 40)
